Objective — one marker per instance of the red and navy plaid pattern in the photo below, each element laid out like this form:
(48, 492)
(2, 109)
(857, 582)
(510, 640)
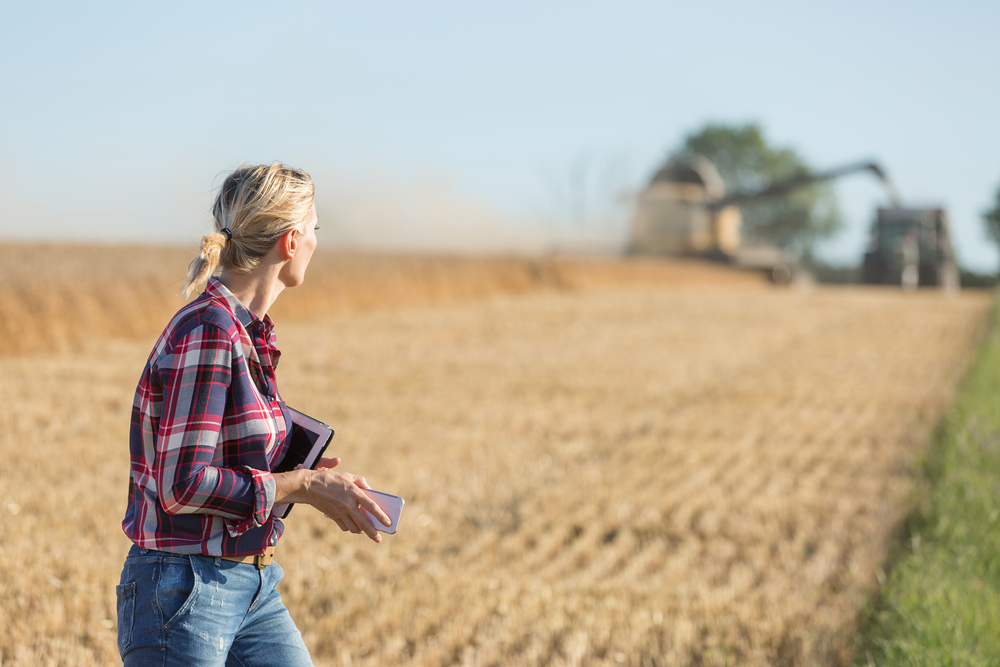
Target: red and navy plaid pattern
(208, 425)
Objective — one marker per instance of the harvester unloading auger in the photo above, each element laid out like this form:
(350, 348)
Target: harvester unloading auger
(684, 212)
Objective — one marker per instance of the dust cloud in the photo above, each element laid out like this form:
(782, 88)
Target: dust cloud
(366, 210)
(427, 213)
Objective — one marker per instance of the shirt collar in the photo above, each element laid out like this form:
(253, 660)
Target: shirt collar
(215, 289)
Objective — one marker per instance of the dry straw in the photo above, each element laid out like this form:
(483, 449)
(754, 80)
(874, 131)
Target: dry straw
(648, 468)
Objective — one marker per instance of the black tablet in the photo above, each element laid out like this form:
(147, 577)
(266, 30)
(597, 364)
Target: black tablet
(309, 439)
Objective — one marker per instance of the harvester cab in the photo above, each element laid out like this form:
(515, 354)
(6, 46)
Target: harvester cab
(911, 247)
(675, 214)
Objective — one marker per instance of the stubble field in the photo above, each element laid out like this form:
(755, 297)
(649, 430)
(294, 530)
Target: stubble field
(603, 462)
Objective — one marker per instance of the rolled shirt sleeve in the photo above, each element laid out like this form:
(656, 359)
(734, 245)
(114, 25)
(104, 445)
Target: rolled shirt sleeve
(195, 377)
(263, 494)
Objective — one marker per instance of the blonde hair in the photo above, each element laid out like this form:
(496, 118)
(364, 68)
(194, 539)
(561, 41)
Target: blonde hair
(256, 204)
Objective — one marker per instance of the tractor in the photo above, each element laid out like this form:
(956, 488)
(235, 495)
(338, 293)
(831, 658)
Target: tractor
(910, 247)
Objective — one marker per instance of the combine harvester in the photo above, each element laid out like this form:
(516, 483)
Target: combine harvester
(684, 212)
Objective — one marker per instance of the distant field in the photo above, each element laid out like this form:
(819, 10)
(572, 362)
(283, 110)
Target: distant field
(58, 297)
(605, 463)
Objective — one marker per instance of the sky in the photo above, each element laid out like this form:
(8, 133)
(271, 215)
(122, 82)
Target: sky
(464, 126)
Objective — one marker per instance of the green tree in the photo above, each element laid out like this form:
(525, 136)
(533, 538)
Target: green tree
(991, 219)
(747, 162)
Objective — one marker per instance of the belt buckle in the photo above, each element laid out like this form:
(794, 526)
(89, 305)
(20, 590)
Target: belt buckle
(260, 561)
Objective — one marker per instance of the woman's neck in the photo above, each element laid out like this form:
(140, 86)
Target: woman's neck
(257, 289)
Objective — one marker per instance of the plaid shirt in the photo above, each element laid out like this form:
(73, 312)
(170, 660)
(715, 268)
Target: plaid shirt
(207, 427)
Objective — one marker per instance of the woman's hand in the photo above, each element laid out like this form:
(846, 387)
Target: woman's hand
(336, 494)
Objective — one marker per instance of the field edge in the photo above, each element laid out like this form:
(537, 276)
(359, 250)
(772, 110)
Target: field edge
(939, 597)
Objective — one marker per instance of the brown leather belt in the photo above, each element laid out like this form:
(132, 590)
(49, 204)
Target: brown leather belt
(260, 561)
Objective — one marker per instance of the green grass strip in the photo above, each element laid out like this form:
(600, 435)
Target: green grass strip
(941, 603)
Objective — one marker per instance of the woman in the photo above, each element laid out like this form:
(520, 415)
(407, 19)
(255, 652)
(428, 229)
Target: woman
(208, 426)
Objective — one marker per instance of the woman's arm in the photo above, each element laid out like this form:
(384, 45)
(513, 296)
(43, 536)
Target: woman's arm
(337, 494)
(195, 376)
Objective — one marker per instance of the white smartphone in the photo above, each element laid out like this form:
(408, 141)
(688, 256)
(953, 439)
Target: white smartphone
(390, 504)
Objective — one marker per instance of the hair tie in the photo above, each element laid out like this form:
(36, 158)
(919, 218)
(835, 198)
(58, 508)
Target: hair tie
(229, 234)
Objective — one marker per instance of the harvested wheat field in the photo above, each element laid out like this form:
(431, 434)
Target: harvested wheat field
(604, 462)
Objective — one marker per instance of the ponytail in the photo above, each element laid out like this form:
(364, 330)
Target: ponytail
(204, 265)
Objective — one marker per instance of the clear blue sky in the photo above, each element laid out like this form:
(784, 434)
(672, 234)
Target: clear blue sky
(117, 119)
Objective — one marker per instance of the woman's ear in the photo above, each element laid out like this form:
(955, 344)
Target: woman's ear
(289, 244)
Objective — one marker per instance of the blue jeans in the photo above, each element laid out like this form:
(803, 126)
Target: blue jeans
(190, 611)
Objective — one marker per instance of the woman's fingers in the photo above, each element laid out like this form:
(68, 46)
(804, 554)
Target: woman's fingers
(341, 497)
(346, 522)
(340, 522)
(362, 520)
(367, 503)
(368, 528)
(328, 463)
(360, 524)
